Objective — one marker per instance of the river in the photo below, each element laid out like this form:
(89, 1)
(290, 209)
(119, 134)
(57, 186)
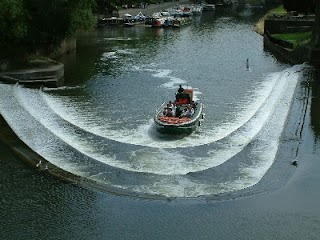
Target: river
(99, 126)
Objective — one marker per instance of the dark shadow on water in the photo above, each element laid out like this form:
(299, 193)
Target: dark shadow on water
(158, 136)
(314, 74)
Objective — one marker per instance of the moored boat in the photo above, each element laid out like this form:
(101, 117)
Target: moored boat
(159, 19)
(130, 20)
(183, 115)
(197, 9)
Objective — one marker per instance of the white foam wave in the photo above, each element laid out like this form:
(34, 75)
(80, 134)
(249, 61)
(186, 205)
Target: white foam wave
(47, 89)
(109, 55)
(117, 39)
(81, 116)
(234, 142)
(125, 51)
(267, 117)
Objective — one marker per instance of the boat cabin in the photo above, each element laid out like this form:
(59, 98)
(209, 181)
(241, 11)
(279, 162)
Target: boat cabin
(186, 97)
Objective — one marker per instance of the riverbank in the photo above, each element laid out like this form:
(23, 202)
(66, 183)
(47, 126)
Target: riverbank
(259, 26)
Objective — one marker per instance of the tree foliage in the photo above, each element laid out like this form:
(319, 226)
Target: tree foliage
(34, 24)
(107, 6)
(305, 6)
(52, 21)
(13, 25)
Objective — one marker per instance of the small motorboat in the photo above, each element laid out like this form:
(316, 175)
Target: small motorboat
(130, 20)
(183, 115)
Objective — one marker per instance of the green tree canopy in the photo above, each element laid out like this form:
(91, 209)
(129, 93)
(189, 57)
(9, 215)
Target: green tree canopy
(107, 6)
(13, 25)
(51, 21)
(35, 24)
(29, 25)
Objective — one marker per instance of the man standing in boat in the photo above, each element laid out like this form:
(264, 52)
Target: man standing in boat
(180, 90)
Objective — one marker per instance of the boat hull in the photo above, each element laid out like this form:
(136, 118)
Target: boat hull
(171, 129)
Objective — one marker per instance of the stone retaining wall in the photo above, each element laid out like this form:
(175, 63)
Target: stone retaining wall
(297, 56)
(51, 76)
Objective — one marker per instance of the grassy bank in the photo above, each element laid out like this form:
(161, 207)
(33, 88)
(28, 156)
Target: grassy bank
(297, 39)
(279, 11)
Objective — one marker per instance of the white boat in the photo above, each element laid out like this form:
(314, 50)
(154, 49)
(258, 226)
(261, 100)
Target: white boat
(130, 20)
(181, 11)
(197, 9)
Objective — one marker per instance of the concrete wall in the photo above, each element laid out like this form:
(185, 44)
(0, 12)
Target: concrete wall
(297, 56)
(290, 24)
(49, 76)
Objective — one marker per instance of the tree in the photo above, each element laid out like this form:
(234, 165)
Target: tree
(305, 7)
(53, 21)
(29, 25)
(104, 6)
(13, 25)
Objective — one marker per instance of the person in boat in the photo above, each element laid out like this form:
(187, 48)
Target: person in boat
(184, 112)
(181, 89)
(170, 112)
(187, 112)
(193, 104)
(178, 111)
(165, 111)
(174, 110)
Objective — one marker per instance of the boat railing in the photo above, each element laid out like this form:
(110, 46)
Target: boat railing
(161, 108)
